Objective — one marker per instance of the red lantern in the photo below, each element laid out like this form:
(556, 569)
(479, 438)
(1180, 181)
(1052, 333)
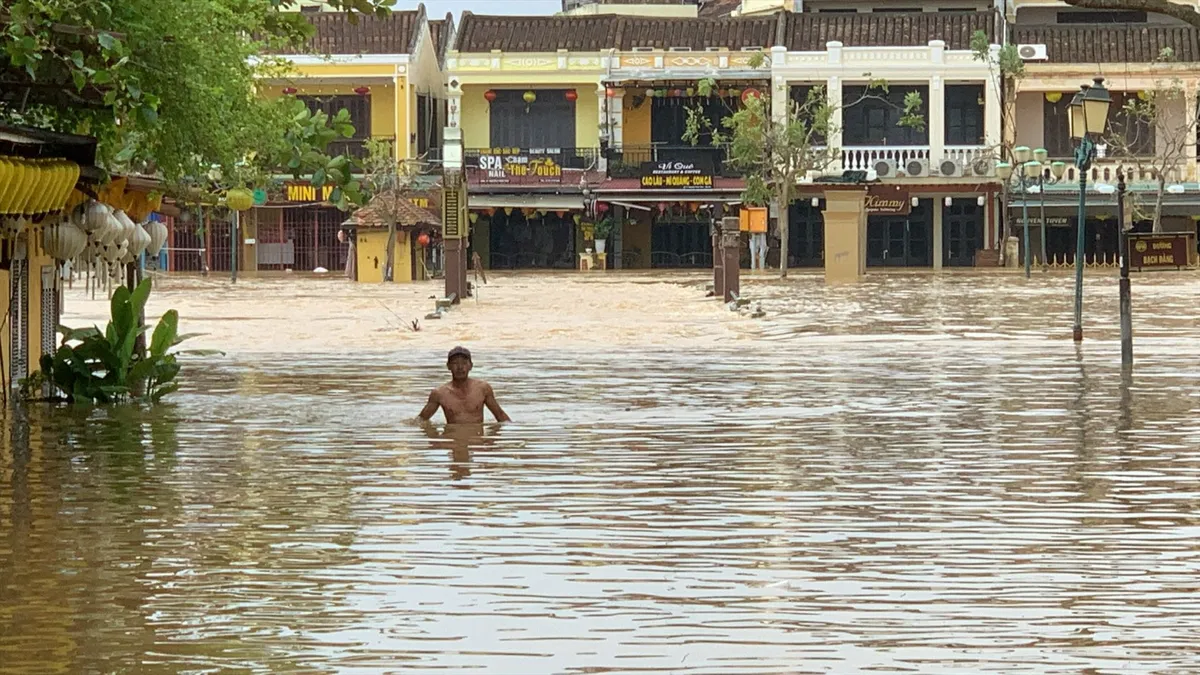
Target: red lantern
(362, 91)
(423, 240)
(749, 93)
(678, 93)
(288, 91)
(662, 207)
(610, 92)
(601, 207)
(490, 95)
(572, 95)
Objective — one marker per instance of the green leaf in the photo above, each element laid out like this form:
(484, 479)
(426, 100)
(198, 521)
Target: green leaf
(102, 77)
(77, 58)
(164, 333)
(106, 40)
(139, 296)
(79, 79)
(162, 391)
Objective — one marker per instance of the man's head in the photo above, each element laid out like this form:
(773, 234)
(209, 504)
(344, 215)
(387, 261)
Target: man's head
(459, 363)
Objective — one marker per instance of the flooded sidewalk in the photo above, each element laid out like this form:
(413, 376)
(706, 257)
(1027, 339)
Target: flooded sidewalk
(920, 473)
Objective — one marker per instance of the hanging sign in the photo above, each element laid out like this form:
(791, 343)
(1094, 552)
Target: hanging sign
(306, 192)
(498, 167)
(888, 200)
(1158, 251)
(676, 175)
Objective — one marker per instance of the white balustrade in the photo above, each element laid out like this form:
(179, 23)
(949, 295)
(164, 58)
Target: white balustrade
(862, 158)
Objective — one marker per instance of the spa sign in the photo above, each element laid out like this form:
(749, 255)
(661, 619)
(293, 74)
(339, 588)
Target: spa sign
(887, 200)
(500, 167)
(677, 175)
(1158, 251)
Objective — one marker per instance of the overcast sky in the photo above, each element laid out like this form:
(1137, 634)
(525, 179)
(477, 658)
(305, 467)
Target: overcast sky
(438, 8)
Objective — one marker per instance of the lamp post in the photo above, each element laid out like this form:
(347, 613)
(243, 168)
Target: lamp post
(1030, 170)
(1126, 302)
(1089, 112)
(1057, 171)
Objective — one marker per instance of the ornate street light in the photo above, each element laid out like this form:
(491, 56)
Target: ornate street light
(1029, 174)
(1057, 171)
(1088, 116)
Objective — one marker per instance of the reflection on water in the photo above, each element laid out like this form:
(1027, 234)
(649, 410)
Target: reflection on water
(929, 505)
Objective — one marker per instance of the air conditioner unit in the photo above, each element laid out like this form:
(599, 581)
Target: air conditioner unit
(914, 168)
(885, 168)
(1032, 52)
(950, 167)
(983, 166)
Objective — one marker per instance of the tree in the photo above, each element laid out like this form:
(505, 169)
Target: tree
(774, 152)
(1006, 66)
(168, 87)
(1176, 10)
(388, 185)
(1153, 132)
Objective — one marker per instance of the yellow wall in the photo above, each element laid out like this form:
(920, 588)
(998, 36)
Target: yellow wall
(371, 255)
(385, 119)
(636, 122)
(636, 236)
(476, 115)
(587, 117)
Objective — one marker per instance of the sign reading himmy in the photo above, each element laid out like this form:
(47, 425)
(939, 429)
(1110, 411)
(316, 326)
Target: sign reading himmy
(887, 200)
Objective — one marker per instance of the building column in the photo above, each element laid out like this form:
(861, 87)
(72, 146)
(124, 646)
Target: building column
(937, 119)
(606, 122)
(454, 109)
(939, 211)
(779, 85)
(845, 233)
(833, 94)
(991, 107)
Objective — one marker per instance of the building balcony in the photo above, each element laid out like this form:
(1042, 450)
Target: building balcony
(529, 166)
(868, 157)
(626, 161)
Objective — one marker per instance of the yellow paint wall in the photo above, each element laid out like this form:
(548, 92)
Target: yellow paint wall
(476, 117)
(385, 119)
(636, 236)
(636, 122)
(371, 254)
(587, 117)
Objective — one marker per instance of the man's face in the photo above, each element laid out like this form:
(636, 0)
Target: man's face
(460, 367)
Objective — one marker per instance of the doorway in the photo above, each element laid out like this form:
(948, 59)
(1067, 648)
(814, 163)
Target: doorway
(962, 232)
(806, 235)
(901, 241)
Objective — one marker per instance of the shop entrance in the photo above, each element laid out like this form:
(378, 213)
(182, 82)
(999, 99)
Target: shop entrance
(680, 242)
(806, 235)
(962, 232)
(901, 241)
(534, 240)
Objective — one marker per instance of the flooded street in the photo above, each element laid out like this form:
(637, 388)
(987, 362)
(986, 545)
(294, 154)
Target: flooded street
(916, 474)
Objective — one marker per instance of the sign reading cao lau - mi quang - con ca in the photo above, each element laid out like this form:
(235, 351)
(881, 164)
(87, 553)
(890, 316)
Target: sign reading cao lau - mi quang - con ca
(1159, 251)
(888, 200)
(676, 175)
(500, 166)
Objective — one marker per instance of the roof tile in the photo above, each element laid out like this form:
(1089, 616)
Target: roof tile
(1108, 43)
(810, 32)
(394, 34)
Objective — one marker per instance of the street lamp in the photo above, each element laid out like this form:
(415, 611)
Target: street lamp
(1088, 115)
(1030, 170)
(1057, 171)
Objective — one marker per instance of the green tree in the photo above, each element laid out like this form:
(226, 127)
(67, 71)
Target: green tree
(775, 151)
(169, 86)
(388, 185)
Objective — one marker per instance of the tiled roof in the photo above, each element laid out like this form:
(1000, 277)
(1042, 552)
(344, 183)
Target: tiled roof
(439, 30)
(393, 34)
(1132, 43)
(715, 9)
(593, 33)
(810, 32)
(408, 215)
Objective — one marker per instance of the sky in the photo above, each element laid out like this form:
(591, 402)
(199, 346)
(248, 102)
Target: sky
(438, 8)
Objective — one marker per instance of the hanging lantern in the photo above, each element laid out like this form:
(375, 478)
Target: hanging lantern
(560, 213)
(527, 211)
(690, 92)
(158, 238)
(490, 95)
(724, 93)
(474, 217)
(610, 92)
(660, 93)
(678, 93)
(1053, 96)
(578, 219)
(571, 95)
(749, 93)
(732, 92)
(239, 199)
(662, 207)
(650, 93)
(530, 96)
(362, 91)
(139, 241)
(95, 217)
(694, 206)
(601, 207)
(1143, 95)
(489, 212)
(508, 210)
(423, 240)
(289, 91)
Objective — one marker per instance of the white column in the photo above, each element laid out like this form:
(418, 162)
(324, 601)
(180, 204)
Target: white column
(779, 85)
(992, 130)
(617, 106)
(937, 119)
(833, 93)
(401, 135)
(454, 109)
(602, 116)
(939, 207)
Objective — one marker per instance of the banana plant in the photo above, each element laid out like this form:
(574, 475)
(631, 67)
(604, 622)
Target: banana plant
(94, 366)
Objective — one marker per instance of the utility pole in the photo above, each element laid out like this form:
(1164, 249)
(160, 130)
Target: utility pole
(1126, 300)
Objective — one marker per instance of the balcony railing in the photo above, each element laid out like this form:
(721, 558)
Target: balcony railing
(357, 147)
(863, 158)
(529, 166)
(626, 161)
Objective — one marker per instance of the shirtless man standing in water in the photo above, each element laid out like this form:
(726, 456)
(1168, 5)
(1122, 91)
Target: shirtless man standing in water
(462, 399)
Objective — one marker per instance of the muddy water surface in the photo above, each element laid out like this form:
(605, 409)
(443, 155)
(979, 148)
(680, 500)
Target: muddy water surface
(920, 474)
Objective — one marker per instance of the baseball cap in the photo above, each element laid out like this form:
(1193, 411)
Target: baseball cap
(458, 351)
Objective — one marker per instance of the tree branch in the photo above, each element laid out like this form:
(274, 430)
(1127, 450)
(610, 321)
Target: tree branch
(1175, 10)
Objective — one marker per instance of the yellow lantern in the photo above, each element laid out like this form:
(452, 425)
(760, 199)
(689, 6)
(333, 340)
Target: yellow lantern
(239, 199)
(1054, 96)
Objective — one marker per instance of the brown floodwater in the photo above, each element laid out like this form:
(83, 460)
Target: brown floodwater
(917, 474)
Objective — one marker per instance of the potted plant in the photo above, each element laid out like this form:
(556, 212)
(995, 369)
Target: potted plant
(603, 229)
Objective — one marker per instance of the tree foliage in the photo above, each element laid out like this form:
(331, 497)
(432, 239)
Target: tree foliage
(388, 185)
(169, 86)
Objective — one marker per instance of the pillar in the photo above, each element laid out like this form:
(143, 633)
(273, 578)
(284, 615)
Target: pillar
(937, 118)
(455, 233)
(833, 94)
(606, 123)
(845, 233)
(718, 257)
(731, 253)
(780, 99)
(992, 131)
(939, 213)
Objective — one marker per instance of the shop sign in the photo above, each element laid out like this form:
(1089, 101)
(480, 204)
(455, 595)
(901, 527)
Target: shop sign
(1158, 251)
(887, 200)
(1051, 221)
(305, 192)
(518, 167)
(676, 175)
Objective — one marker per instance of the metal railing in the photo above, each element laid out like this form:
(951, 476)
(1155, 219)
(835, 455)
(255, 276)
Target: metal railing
(626, 161)
(864, 157)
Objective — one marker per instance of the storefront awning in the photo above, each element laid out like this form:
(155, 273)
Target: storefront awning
(530, 201)
(648, 198)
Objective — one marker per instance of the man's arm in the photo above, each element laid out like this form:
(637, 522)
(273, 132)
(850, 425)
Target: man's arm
(431, 406)
(489, 399)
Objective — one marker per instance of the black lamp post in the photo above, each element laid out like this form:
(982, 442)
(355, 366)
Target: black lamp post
(1126, 300)
(1089, 113)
